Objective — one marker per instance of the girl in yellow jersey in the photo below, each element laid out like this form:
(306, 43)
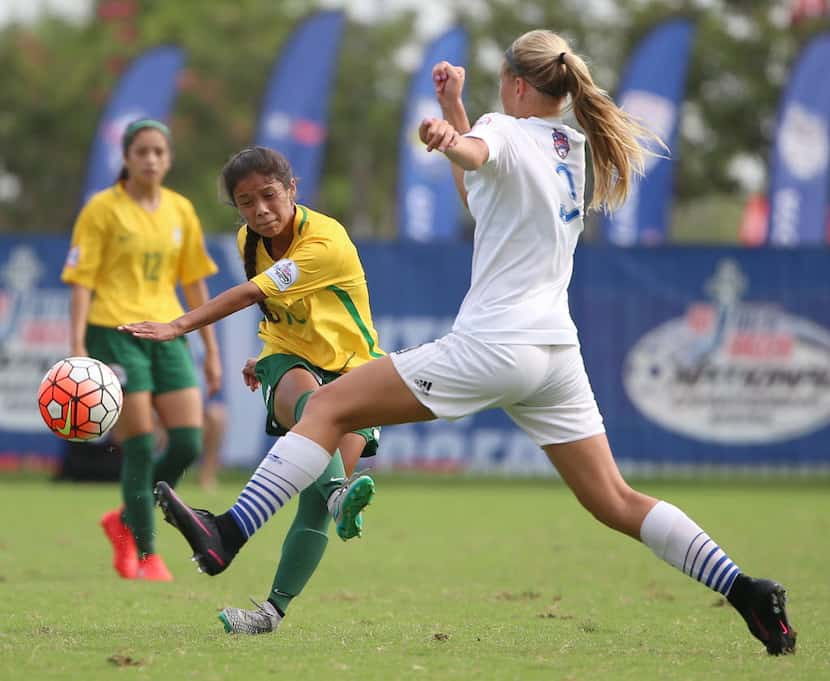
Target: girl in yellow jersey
(131, 245)
(306, 276)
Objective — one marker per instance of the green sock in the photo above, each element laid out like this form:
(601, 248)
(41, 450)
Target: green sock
(137, 489)
(307, 537)
(183, 448)
(302, 549)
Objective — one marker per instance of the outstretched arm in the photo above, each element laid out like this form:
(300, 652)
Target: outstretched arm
(469, 153)
(226, 303)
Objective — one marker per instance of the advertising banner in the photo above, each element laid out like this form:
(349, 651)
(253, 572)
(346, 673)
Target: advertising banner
(699, 357)
(702, 356)
(294, 111)
(651, 90)
(34, 334)
(799, 177)
(428, 206)
(146, 90)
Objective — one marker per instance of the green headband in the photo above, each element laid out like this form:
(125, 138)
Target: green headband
(137, 126)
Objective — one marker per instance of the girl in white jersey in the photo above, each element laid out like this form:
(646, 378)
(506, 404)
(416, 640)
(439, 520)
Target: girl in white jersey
(513, 345)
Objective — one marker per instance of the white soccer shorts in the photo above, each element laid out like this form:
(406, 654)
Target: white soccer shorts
(543, 388)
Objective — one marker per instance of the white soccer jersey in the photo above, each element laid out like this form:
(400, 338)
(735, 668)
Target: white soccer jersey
(528, 205)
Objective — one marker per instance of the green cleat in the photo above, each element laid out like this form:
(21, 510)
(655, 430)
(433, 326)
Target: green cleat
(346, 505)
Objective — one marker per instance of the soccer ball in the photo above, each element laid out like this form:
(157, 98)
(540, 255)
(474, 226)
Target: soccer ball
(80, 398)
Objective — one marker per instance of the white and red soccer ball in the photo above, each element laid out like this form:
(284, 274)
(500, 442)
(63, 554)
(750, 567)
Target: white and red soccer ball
(80, 398)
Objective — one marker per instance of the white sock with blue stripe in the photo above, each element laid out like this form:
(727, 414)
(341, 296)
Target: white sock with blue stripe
(293, 463)
(678, 540)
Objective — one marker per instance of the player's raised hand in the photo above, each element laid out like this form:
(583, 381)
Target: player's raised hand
(449, 81)
(437, 134)
(155, 331)
(249, 374)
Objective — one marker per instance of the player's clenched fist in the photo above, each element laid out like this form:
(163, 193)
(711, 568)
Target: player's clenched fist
(437, 134)
(448, 80)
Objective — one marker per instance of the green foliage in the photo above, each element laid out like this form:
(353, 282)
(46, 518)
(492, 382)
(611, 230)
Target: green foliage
(453, 580)
(57, 78)
(709, 219)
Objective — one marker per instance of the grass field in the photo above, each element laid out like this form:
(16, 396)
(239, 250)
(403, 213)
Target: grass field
(453, 580)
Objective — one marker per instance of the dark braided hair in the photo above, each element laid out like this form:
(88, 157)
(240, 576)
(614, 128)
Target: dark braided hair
(251, 242)
(266, 162)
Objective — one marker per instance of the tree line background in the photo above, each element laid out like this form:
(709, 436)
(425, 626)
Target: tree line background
(57, 77)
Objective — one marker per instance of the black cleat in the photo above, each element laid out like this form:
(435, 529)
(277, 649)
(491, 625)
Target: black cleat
(761, 603)
(198, 527)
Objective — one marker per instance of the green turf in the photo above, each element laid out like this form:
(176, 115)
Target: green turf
(467, 580)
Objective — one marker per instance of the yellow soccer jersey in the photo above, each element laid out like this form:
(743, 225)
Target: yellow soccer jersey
(132, 259)
(317, 294)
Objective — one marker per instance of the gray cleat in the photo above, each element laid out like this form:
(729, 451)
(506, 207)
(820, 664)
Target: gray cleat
(263, 620)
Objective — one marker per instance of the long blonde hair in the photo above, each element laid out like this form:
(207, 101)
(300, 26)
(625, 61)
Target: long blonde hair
(546, 61)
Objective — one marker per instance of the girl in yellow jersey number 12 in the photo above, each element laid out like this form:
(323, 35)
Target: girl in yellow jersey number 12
(307, 278)
(131, 245)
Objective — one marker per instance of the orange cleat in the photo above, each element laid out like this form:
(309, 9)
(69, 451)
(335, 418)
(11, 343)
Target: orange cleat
(125, 552)
(152, 568)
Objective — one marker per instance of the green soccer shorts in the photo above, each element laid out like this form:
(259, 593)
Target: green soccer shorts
(271, 369)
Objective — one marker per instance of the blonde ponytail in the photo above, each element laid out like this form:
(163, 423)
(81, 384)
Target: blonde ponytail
(616, 140)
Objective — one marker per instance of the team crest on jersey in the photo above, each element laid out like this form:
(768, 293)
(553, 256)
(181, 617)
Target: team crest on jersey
(561, 143)
(177, 235)
(73, 256)
(283, 273)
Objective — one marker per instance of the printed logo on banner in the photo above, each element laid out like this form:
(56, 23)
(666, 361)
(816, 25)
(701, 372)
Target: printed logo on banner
(420, 209)
(785, 217)
(731, 371)
(34, 333)
(802, 142)
(654, 112)
(658, 115)
(280, 126)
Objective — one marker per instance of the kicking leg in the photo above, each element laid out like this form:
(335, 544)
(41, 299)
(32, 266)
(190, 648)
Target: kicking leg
(307, 538)
(215, 540)
(269, 489)
(297, 459)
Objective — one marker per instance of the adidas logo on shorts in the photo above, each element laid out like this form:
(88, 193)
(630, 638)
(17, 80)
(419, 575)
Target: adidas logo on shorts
(423, 386)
